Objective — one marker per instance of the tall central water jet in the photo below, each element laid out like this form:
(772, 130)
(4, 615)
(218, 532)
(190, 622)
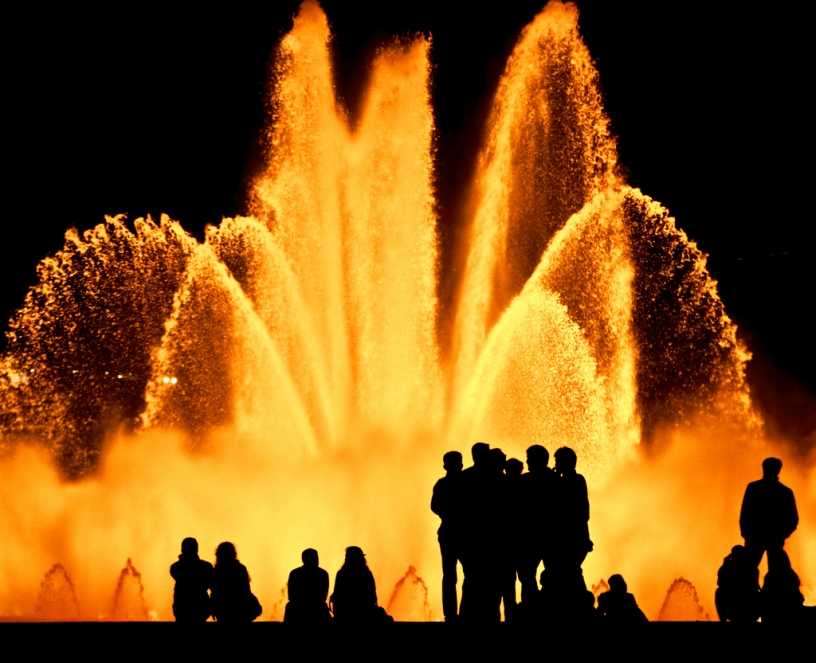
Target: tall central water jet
(295, 354)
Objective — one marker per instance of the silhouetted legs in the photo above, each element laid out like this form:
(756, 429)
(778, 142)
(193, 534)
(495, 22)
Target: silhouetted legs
(527, 577)
(754, 549)
(450, 557)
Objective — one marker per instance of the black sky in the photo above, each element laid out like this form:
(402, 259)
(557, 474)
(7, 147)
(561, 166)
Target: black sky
(140, 109)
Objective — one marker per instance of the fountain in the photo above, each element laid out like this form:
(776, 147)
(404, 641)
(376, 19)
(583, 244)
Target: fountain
(286, 384)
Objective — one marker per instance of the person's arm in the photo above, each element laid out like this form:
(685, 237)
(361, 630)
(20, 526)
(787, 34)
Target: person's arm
(324, 585)
(438, 499)
(746, 513)
(791, 515)
(584, 498)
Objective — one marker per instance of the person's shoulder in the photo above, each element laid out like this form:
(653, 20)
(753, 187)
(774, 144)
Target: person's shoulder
(204, 564)
(784, 489)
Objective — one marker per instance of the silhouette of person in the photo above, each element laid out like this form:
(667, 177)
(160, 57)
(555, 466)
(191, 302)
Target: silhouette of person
(193, 576)
(571, 542)
(232, 600)
(446, 503)
(768, 515)
(737, 595)
(481, 488)
(781, 601)
(500, 543)
(308, 589)
(538, 487)
(512, 516)
(355, 593)
(619, 606)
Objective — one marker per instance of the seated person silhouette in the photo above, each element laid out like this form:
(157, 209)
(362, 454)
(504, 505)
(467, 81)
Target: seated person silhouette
(619, 606)
(308, 588)
(446, 503)
(737, 595)
(780, 599)
(354, 599)
(193, 576)
(232, 600)
(768, 515)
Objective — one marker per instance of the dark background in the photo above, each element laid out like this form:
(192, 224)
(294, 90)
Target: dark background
(142, 109)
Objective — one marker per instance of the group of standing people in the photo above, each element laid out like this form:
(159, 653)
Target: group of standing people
(500, 523)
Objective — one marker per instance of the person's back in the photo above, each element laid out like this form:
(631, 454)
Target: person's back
(618, 605)
(781, 599)
(535, 510)
(354, 598)
(308, 589)
(768, 514)
(737, 594)
(232, 598)
(571, 518)
(193, 576)
(447, 503)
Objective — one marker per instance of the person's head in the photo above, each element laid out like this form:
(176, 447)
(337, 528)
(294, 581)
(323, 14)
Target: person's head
(617, 583)
(537, 458)
(452, 461)
(513, 467)
(771, 467)
(309, 557)
(225, 552)
(189, 546)
(565, 460)
(480, 453)
(497, 459)
(355, 556)
(738, 551)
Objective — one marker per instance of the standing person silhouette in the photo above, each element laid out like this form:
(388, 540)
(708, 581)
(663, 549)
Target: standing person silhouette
(354, 598)
(193, 576)
(768, 516)
(446, 503)
(538, 494)
(232, 600)
(308, 589)
(481, 593)
(571, 544)
(514, 524)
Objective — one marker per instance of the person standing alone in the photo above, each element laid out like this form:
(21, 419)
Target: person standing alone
(446, 503)
(768, 516)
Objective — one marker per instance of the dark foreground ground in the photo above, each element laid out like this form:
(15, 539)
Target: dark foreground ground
(404, 641)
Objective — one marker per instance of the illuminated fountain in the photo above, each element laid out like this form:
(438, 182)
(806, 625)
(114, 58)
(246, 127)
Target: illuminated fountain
(287, 383)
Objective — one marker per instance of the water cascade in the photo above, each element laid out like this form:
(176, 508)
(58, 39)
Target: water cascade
(282, 384)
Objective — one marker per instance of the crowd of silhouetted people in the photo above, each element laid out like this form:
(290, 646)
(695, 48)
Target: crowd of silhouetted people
(502, 525)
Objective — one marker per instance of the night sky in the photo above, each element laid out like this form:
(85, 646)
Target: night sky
(143, 110)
